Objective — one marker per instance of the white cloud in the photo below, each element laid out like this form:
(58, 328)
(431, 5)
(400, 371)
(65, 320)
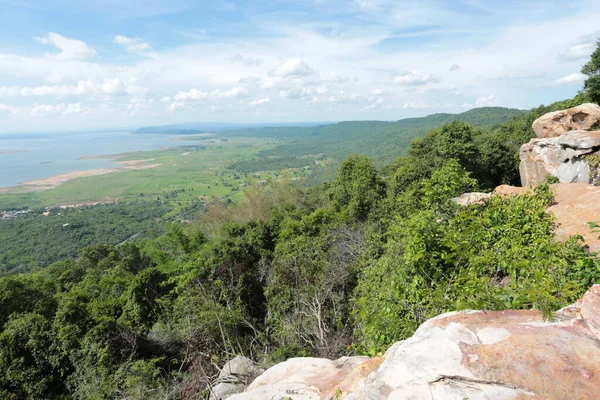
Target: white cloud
(6, 109)
(295, 93)
(575, 77)
(414, 78)
(40, 110)
(108, 87)
(579, 51)
(196, 94)
(176, 105)
(296, 67)
(135, 46)
(192, 94)
(441, 106)
(70, 49)
(375, 104)
(454, 67)
(373, 4)
(486, 101)
(260, 102)
(55, 77)
(247, 60)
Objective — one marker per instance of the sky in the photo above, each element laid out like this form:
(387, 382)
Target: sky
(102, 64)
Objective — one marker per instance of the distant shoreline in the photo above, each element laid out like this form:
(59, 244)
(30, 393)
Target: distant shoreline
(38, 185)
(8, 151)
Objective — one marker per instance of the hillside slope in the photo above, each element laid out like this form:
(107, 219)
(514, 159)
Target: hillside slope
(381, 140)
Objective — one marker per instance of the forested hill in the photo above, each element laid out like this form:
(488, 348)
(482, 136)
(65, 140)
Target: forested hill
(384, 141)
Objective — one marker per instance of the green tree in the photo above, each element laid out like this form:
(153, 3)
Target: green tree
(592, 70)
(357, 188)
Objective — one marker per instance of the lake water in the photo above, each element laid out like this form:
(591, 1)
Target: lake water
(25, 157)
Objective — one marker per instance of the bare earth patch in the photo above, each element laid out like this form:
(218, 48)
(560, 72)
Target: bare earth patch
(52, 182)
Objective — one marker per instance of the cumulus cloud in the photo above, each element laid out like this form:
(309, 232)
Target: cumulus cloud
(414, 78)
(108, 87)
(260, 102)
(375, 104)
(295, 93)
(40, 110)
(181, 99)
(296, 67)
(6, 109)
(247, 60)
(422, 105)
(135, 46)
(196, 94)
(486, 101)
(579, 51)
(70, 49)
(575, 77)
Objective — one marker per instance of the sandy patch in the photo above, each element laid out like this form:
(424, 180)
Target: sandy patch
(55, 181)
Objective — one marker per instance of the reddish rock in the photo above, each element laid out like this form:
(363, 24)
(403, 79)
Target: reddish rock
(471, 354)
(575, 205)
(583, 117)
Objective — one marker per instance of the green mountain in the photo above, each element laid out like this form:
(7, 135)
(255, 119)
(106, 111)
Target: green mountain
(383, 141)
(378, 139)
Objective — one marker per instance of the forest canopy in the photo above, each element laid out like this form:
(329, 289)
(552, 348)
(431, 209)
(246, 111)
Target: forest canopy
(347, 267)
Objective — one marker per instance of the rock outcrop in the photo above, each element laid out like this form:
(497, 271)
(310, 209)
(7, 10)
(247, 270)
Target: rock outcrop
(470, 354)
(560, 156)
(467, 199)
(235, 376)
(563, 142)
(575, 205)
(584, 117)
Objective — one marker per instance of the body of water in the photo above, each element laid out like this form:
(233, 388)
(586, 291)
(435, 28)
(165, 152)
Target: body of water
(25, 157)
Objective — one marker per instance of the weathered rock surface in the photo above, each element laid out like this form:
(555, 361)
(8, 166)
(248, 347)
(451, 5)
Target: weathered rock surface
(583, 117)
(309, 378)
(235, 376)
(471, 354)
(559, 156)
(575, 204)
(467, 199)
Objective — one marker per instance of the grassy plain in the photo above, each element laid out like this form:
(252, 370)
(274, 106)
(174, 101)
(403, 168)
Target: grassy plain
(186, 174)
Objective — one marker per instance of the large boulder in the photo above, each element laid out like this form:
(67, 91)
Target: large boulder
(470, 354)
(561, 156)
(584, 117)
(468, 199)
(234, 377)
(309, 378)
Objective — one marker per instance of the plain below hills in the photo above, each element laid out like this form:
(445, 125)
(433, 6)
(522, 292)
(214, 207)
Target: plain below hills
(382, 140)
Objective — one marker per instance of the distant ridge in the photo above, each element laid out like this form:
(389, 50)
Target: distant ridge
(383, 141)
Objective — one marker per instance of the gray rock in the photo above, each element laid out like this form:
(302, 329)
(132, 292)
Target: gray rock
(468, 199)
(560, 156)
(235, 376)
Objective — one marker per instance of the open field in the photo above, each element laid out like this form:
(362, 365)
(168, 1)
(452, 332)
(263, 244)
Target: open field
(177, 175)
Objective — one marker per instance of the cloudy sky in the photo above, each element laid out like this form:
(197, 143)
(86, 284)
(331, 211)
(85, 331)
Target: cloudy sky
(68, 64)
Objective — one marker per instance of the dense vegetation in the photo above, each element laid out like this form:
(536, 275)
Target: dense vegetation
(384, 141)
(34, 240)
(347, 267)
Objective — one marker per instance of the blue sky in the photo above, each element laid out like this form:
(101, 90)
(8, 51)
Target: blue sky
(125, 63)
